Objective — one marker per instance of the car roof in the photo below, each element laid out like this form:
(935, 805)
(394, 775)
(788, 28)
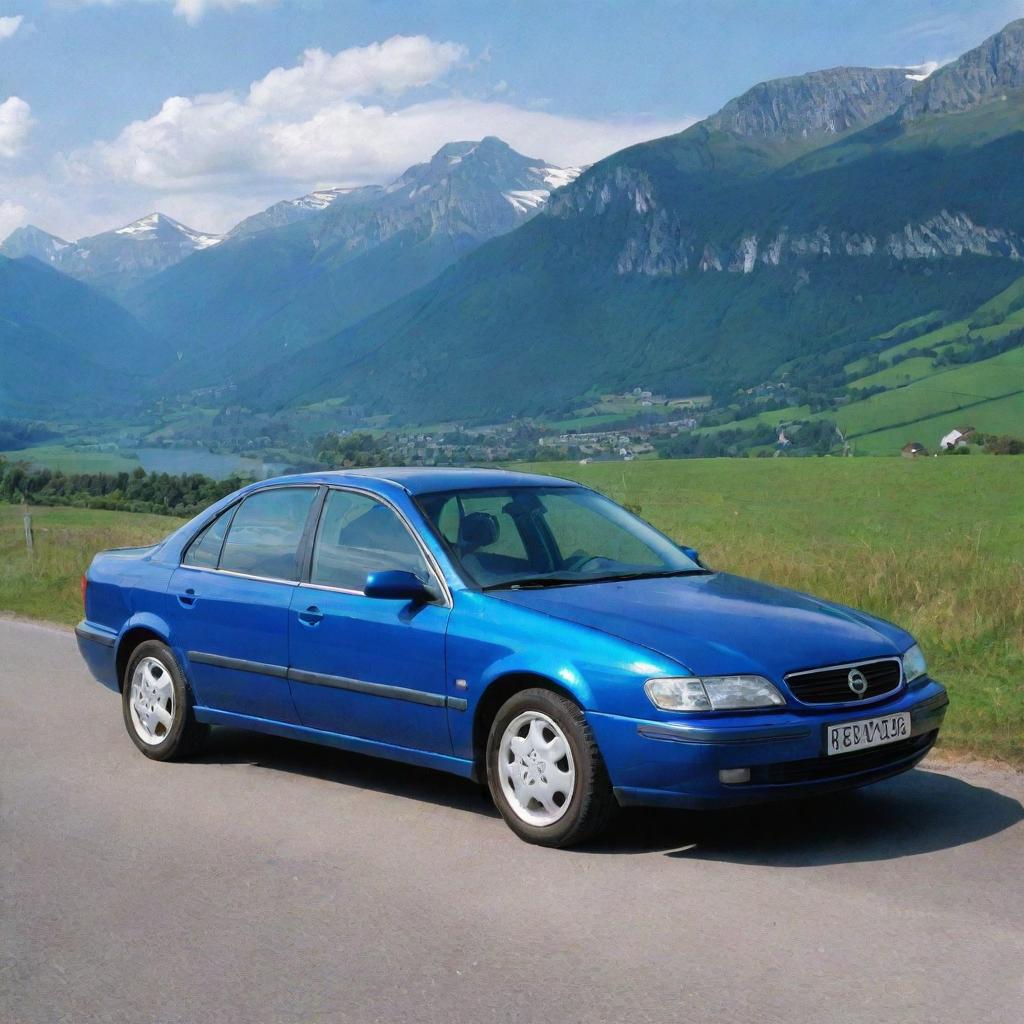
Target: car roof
(428, 479)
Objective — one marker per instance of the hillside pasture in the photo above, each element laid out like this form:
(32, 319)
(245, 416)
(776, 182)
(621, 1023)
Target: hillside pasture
(936, 545)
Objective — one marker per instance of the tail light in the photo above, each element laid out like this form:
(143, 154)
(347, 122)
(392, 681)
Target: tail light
(85, 587)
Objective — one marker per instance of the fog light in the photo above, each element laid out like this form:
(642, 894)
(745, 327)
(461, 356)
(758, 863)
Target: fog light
(733, 776)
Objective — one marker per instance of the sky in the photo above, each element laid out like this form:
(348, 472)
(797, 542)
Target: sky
(210, 110)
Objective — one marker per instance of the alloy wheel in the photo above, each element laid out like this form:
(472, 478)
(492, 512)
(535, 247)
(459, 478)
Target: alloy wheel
(536, 770)
(151, 702)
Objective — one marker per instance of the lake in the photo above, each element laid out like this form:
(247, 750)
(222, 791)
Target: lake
(212, 464)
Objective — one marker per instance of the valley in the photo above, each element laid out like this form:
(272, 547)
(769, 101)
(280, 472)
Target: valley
(830, 264)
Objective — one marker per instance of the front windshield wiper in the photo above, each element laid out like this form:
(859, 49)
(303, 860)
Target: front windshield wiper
(539, 582)
(656, 574)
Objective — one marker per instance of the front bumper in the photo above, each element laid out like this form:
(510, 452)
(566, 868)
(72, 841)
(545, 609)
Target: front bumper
(675, 763)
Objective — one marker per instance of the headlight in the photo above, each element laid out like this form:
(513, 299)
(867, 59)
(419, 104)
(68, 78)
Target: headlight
(914, 664)
(712, 693)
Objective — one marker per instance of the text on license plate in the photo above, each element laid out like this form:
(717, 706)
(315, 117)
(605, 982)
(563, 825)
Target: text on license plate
(868, 732)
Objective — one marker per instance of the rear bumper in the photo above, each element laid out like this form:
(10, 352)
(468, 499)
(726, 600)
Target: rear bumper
(97, 646)
(676, 763)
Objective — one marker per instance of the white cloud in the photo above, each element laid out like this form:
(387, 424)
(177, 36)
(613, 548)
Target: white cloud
(15, 122)
(12, 215)
(392, 67)
(336, 119)
(192, 11)
(9, 25)
(919, 72)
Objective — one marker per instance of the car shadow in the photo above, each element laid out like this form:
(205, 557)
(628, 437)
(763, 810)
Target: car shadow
(234, 746)
(919, 812)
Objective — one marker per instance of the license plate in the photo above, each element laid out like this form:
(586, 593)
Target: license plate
(868, 732)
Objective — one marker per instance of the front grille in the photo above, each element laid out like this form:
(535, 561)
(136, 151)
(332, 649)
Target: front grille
(832, 685)
(817, 768)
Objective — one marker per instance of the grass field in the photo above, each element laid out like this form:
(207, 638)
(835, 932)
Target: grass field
(986, 395)
(72, 460)
(936, 545)
(989, 417)
(46, 586)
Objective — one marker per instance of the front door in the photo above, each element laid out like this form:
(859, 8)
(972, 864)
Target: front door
(363, 666)
(231, 598)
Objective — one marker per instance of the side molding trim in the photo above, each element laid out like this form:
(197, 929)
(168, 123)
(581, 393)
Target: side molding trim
(359, 686)
(435, 700)
(238, 664)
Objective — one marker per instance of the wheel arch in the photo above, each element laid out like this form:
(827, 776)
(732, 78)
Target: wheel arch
(136, 633)
(499, 690)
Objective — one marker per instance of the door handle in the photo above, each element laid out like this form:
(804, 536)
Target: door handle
(187, 599)
(311, 616)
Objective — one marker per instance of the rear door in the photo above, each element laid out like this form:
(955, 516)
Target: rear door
(233, 592)
(361, 666)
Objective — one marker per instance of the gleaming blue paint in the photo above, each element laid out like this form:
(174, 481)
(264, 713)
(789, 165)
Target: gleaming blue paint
(405, 680)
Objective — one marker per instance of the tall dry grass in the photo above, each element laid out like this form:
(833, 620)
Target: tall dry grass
(46, 583)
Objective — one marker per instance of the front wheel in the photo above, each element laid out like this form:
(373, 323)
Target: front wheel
(157, 704)
(545, 772)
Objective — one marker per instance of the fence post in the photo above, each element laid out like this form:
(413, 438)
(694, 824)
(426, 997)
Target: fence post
(28, 530)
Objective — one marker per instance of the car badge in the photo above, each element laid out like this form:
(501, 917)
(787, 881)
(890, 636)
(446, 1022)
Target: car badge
(857, 682)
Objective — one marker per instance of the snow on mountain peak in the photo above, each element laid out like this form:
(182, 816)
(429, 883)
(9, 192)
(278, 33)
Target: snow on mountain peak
(556, 177)
(150, 226)
(144, 225)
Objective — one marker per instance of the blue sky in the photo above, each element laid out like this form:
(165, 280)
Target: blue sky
(211, 109)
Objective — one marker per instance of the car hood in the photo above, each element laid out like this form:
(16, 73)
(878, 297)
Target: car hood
(719, 623)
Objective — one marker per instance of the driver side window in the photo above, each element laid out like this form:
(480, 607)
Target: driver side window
(357, 536)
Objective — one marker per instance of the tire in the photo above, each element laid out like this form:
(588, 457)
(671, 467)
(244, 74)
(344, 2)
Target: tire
(152, 682)
(546, 796)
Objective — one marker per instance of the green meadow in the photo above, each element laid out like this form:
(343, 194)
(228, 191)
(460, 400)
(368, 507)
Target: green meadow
(936, 545)
(68, 459)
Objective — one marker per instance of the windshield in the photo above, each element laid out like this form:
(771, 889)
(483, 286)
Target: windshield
(548, 536)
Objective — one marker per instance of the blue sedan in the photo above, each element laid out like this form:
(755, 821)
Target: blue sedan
(515, 629)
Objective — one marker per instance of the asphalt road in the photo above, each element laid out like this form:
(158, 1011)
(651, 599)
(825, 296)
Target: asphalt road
(274, 881)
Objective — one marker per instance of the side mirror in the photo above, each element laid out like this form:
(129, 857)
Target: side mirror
(398, 585)
(691, 553)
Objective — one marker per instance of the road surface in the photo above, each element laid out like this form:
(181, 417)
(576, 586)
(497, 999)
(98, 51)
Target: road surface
(275, 881)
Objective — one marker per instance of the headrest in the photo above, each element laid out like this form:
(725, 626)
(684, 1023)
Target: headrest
(477, 530)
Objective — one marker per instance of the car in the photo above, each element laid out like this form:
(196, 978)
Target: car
(519, 630)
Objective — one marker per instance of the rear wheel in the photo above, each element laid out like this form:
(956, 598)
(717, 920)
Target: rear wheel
(545, 772)
(157, 704)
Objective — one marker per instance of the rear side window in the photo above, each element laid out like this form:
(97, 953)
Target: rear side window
(204, 551)
(266, 532)
(358, 536)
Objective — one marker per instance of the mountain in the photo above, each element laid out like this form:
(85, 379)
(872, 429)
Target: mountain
(65, 349)
(34, 242)
(800, 220)
(821, 102)
(986, 72)
(301, 270)
(289, 211)
(113, 260)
